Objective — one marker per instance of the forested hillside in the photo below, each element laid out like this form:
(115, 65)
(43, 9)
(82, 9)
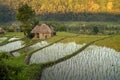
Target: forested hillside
(63, 6)
(70, 9)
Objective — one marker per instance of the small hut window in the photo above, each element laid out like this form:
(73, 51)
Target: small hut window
(37, 35)
(45, 36)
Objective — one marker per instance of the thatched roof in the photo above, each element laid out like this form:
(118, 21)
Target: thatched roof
(43, 28)
(2, 30)
(11, 27)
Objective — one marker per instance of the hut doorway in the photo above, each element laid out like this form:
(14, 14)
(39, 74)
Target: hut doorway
(37, 35)
(45, 36)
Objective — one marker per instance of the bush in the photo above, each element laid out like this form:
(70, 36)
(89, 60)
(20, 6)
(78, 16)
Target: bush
(4, 71)
(4, 55)
(57, 26)
(32, 72)
(95, 30)
(8, 72)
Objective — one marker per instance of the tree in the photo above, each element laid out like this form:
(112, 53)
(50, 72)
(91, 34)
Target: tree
(57, 26)
(109, 6)
(26, 16)
(95, 30)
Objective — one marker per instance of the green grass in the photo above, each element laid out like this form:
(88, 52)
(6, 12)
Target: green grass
(60, 35)
(63, 34)
(113, 42)
(14, 61)
(14, 34)
(82, 39)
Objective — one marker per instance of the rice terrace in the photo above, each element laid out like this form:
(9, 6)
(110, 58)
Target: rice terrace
(59, 40)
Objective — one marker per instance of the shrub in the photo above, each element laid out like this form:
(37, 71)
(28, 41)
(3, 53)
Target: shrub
(57, 26)
(4, 55)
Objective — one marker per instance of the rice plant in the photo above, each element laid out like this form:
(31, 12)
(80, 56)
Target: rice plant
(94, 63)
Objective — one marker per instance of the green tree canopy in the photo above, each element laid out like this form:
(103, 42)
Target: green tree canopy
(26, 15)
(95, 30)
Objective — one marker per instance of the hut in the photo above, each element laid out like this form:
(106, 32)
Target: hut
(42, 31)
(11, 28)
(2, 31)
(14, 27)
